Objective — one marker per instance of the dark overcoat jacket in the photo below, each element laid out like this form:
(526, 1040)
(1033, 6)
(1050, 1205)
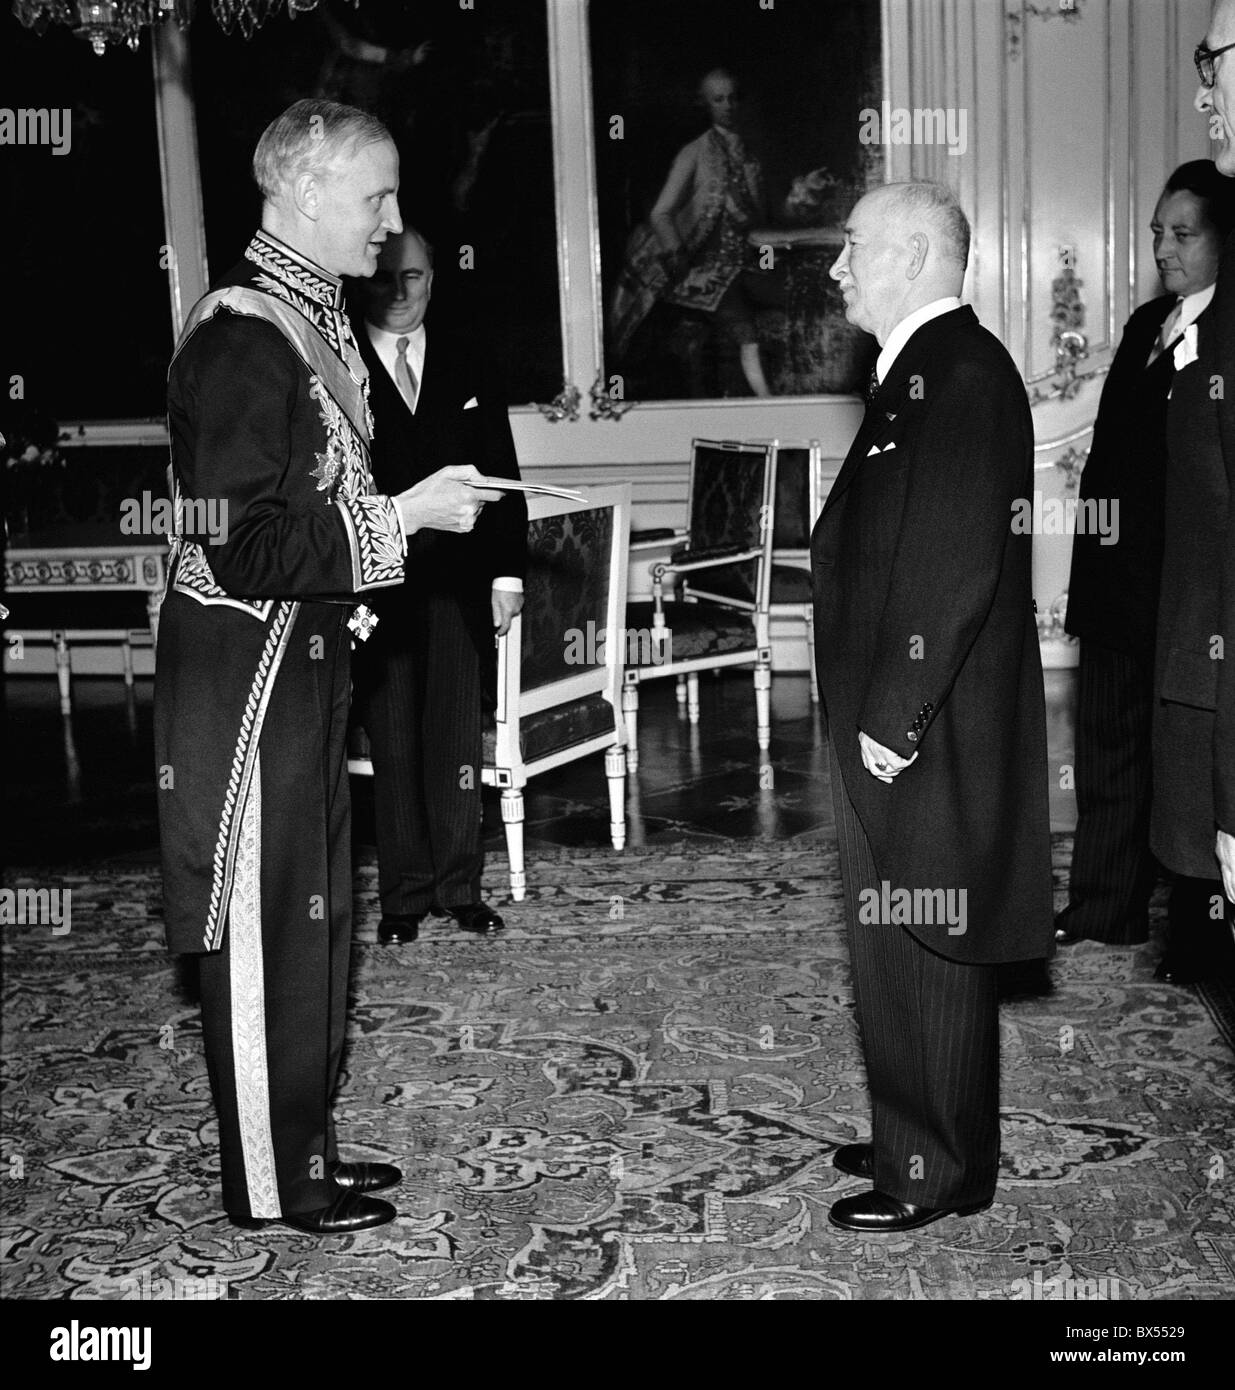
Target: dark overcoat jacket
(1113, 588)
(1194, 670)
(926, 640)
(447, 429)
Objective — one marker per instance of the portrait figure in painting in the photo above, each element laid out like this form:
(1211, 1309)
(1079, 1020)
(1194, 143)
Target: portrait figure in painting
(713, 247)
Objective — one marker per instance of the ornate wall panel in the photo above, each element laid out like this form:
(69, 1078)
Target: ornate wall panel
(1077, 113)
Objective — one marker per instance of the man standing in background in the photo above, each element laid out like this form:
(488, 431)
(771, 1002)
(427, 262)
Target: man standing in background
(421, 679)
(1193, 823)
(1114, 585)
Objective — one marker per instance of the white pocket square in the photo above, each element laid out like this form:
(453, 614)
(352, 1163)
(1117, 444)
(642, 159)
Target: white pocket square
(472, 404)
(875, 449)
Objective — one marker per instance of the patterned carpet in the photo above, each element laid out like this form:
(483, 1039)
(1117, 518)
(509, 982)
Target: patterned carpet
(633, 1094)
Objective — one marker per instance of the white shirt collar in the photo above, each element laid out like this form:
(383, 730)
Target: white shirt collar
(907, 327)
(1194, 305)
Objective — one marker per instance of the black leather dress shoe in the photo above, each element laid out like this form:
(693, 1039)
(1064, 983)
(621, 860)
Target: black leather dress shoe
(350, 1211)
(878, 1214)
(858, 1160)
(1065, 933)
(1021, 978)
(1177, 969)
(366, 1177)
(477, 917)
(394, 930)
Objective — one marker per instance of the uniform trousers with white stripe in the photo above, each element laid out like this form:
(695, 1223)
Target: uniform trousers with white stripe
(274, 998)
(929, 1030)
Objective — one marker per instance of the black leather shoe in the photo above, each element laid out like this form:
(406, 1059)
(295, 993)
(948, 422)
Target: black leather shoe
(395, 930)
(475, 917)
(878, 1214)
(858, 1160)
(1065, 935)
(366, 1177)
(350, 1211)
(1177, 969)
(1023, 978)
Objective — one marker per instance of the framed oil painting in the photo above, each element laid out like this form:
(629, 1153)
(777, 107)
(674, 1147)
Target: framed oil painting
(727, 158)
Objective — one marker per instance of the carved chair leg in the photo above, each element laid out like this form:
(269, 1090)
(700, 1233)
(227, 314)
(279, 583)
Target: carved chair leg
(809, 614)
(615, 771)
(512, 819)
(154, 602)
(64, 671)
(630, 711)
(763, 704)
(692, 697)
(681, 692)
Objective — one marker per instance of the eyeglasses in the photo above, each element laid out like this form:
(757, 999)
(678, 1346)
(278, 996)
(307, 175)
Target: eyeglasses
(1204, 60)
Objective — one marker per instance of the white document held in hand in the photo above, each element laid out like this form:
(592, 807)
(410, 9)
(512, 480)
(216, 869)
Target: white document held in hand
(541, 489)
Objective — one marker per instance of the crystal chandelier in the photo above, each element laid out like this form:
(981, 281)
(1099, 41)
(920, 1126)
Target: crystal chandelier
(103, 22)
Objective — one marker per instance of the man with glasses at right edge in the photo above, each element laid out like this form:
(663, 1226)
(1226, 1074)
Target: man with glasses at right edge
(1192, 823)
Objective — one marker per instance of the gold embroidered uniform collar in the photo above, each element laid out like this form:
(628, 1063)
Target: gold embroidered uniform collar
(295, 271)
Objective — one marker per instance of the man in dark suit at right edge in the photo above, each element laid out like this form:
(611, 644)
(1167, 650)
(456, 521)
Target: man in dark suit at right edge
(930, 674)
(1114, 585)
(1193, 821)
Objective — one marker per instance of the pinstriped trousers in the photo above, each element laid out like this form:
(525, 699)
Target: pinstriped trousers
(929, 1030)
(419, 699)
(1113, 872)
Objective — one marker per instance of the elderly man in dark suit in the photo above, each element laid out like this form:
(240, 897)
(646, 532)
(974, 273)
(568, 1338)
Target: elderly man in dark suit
(1113, 590)
(931, 677)
(420, 680)
(1193, 822)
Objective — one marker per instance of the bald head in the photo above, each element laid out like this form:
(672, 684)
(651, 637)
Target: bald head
(906, 244)
(929, 210)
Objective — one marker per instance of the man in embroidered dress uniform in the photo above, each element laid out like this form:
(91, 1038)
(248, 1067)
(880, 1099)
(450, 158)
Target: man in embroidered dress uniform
(268, 415)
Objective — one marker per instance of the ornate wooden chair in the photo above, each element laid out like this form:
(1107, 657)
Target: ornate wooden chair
(799, 500)
(559, 668)
(719, 616)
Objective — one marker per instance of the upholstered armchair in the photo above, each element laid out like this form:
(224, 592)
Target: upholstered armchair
(559, 678)
(559, 668)
(719, 616)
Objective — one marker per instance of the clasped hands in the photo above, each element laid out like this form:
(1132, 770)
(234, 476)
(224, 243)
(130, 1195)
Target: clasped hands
(448, 500)
(879, 761)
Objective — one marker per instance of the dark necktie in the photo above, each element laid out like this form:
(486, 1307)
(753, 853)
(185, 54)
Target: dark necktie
(1166, 334)
(405, 378)
(872, 385)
